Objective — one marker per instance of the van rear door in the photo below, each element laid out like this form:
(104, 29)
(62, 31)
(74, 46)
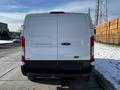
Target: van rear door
(41, 37)
(73, 37)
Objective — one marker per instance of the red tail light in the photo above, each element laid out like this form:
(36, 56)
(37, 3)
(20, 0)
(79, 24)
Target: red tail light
(92, 41)
(92, 48)
(23, 47)
(23, 41)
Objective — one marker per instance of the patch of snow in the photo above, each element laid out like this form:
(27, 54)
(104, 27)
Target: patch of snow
(5, 41)
(107, 51)
(107, 62)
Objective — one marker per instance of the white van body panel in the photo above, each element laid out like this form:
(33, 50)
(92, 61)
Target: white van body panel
(73, 28)
(45, 33)
(41, 37)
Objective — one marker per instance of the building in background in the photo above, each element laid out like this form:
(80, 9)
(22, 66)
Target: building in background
(5, 34)
(14, 35)
(4, 31)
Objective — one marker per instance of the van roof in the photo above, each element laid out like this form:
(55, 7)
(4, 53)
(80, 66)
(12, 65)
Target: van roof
(35, 14)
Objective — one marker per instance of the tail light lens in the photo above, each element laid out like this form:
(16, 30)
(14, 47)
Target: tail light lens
(23, 41)
(23, 47)
(92, 48)
(92, 41)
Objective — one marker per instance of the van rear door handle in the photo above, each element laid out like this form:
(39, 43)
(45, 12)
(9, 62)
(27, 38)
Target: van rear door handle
(66, 44)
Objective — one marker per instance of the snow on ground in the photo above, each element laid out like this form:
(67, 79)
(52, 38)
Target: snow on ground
(107, 51)
(5, 42)
(108, 62)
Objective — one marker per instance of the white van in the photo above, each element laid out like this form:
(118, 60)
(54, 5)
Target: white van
(57, 44)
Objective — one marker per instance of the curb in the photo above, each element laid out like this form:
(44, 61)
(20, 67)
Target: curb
(105, 84)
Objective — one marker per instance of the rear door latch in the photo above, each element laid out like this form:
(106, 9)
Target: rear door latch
(66, 44)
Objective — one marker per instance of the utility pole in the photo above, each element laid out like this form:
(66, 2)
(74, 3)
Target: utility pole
(89, 11)
(101, 13)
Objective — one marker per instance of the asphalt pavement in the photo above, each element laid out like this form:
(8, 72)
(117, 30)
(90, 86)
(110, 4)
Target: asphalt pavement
(11, 77)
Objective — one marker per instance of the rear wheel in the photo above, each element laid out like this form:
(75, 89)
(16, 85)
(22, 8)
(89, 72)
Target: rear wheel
(31, 77)
(23, 71)
(85, 77)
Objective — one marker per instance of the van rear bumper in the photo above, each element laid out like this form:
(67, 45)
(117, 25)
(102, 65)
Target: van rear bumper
(56, 68)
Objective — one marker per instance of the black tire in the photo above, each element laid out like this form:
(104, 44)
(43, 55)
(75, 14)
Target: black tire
(86, 77)
(31, 78)
(23, 71)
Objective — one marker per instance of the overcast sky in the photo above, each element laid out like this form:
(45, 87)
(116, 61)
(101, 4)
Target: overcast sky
(13, 12)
